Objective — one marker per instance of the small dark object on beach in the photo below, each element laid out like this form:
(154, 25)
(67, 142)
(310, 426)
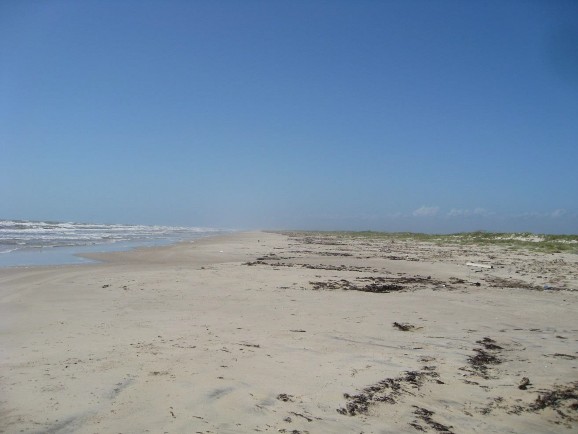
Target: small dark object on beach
(404, 327)
(524, 383)
(417, 426)
(105, 286)
(489, 344)
(307, 418)
(284, 397)
(250, 345)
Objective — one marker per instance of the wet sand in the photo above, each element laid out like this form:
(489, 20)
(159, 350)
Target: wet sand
(295, 333)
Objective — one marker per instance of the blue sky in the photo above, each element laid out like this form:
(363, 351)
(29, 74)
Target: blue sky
(435, 116)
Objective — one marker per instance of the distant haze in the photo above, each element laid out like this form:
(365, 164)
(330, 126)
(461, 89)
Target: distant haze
(440, 116)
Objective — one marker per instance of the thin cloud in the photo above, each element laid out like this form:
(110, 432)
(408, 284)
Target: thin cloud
(558, 213)
(476, 212)
(426, 211)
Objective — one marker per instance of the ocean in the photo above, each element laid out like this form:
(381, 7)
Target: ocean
(28, 243)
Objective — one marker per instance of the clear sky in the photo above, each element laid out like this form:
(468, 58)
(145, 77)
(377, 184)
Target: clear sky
(436, 116)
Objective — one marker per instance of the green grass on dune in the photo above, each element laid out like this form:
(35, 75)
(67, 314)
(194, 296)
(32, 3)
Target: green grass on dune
(515, 240)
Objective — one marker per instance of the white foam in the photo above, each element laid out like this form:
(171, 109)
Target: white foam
(41, 234)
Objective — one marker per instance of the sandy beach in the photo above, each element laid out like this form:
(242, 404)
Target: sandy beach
(294, 333)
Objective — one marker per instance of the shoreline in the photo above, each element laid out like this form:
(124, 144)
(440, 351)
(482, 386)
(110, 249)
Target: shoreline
(86, 254)
(276, 333)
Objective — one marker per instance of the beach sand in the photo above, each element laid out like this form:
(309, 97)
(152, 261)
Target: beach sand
(298, 333)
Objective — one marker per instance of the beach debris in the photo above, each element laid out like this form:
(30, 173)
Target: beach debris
(298, 331)
(331, 284)
(244, 344)
(563, 399)
(312, 266)
(346, 285)
(499, 282)
(379, 284)
(322, 240)
(489, 344)
(484, 357)
(564, 356)
(376, 287)
(417, 426)
(333, 254)
(475, 264)
(524, 383)
(425, 415)
(556, 397)
(159, 373)
(285, 397)
(405, 326)
(388, 390)
(401, 258)
(307, 418)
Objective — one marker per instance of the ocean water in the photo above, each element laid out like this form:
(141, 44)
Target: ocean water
(24, 243)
